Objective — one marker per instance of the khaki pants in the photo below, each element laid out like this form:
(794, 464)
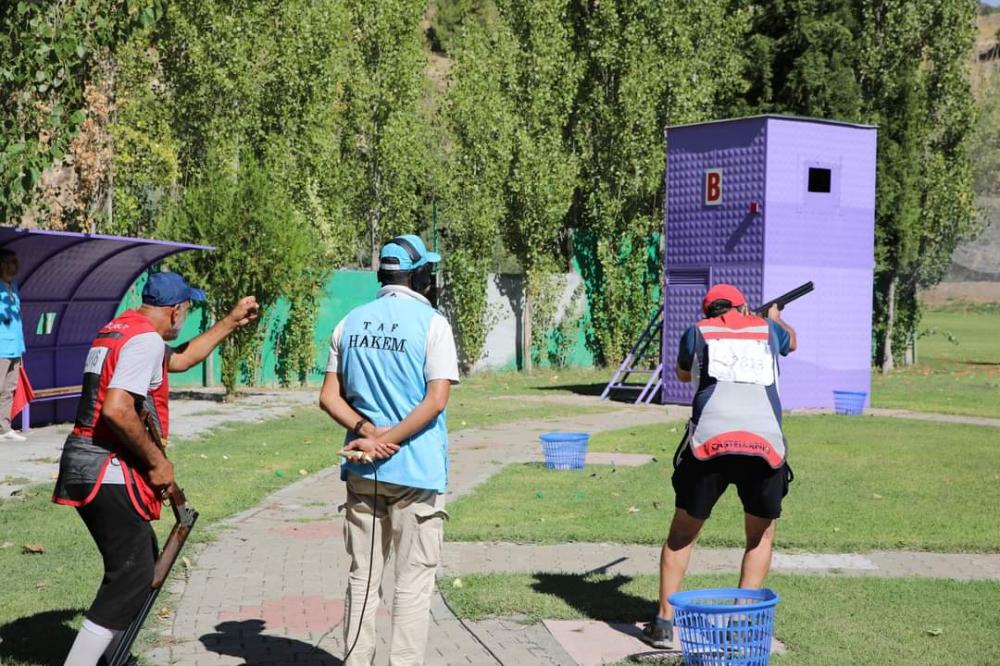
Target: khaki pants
(410, 523)
(9, 368)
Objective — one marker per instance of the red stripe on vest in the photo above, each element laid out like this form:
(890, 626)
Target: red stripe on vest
(734, 335)
(739, 442)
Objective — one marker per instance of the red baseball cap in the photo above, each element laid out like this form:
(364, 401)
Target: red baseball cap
(723, 292)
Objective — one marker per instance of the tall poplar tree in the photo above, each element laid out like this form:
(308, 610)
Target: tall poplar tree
(545, 163)
(647, 64)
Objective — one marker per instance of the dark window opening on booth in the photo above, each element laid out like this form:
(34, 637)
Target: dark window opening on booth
(46, 321)
(819, 179)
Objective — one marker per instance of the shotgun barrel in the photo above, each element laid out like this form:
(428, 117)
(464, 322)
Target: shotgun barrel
(786, 298)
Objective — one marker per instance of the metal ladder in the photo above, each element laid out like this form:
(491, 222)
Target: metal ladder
(641, 351)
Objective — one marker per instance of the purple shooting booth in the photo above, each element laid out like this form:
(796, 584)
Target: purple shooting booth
(767, 203)
(71, 284)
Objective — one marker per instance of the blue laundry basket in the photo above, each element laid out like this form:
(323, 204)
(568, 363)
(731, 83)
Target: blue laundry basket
(565, 450)
(726, 626)
(849, 402)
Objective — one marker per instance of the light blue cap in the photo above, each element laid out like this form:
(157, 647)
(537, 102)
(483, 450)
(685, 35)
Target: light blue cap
(403, 258)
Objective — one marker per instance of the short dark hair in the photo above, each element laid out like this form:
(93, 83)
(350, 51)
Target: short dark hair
(718, 307)
(7, 255)
(394, 278)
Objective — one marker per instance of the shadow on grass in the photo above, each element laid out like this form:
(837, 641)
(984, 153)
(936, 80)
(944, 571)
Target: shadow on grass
(580, 389)
(244, 640)
(597, 598)
(42, 638)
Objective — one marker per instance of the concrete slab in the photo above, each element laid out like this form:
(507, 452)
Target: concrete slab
(592, 643)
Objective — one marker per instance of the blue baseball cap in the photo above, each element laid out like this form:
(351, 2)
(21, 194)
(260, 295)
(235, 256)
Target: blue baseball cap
(165, 288)
(406, 253)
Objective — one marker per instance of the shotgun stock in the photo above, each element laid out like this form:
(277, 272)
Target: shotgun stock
(186, 517)
(786, 298)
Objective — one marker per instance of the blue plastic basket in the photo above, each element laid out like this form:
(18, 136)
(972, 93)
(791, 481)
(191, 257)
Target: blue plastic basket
(849, 402)
(565, 450)
(725, 627)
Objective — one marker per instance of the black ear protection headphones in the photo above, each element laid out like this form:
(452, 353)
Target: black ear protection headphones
(420, 278)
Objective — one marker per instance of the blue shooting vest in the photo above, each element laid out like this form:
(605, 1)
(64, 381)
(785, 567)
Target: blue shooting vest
(382, 350)
(11, 333)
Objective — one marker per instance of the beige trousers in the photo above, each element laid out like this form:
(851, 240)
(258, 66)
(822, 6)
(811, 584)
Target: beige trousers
(408, 522)
(9, 368)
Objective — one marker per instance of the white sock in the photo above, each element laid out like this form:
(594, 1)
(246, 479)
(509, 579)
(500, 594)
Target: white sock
(89, 645)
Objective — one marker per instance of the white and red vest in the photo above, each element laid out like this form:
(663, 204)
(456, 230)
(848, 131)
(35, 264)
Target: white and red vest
(92, 444)
(737, 410)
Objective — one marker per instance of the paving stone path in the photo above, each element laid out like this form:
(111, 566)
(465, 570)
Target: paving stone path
(269, 588)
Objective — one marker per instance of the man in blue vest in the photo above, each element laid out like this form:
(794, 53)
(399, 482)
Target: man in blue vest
(392, 364)
(734, 437)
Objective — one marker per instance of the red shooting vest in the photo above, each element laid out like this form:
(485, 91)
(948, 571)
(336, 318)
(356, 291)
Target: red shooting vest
(89, 427)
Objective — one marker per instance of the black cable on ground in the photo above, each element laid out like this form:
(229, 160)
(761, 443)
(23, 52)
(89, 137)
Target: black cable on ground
(368, 585)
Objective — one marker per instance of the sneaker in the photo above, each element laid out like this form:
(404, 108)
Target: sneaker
(13, 436)
(659, 634)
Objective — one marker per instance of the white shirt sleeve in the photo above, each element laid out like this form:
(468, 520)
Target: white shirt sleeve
(333, 363)
(140, 364)
(441, 359)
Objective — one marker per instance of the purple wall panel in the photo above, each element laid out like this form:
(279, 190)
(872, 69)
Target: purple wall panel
(826, 237)
(709, 243)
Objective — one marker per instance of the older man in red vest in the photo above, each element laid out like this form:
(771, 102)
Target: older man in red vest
(111, 469)
(734, 437)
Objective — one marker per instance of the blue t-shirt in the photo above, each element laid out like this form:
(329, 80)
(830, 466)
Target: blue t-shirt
(11, 333)
(685, 354)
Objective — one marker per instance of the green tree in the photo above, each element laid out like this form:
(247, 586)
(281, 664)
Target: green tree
(385, 144)
(449, 17)
(261, 246)
(647, 64)
(51, 55)
(481, 119)
(904, 67)
(913, 71)
(544, 165)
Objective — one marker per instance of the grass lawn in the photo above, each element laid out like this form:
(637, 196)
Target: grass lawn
(861, 483)
(44, 594)
(823, 620)
(486, 399)
(958, 369)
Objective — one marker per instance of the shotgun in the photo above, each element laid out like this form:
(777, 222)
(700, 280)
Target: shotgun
(185, 516)
(786, 298)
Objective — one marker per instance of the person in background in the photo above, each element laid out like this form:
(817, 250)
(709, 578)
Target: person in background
(11, 341)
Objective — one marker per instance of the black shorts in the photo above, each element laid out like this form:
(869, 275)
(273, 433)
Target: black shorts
(128, 546)
(699, 484)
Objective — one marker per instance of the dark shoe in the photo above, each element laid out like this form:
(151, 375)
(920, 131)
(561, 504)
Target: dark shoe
(659, 635)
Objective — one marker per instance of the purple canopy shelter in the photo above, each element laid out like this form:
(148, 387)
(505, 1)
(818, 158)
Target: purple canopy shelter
(71, 284)
(767, 203)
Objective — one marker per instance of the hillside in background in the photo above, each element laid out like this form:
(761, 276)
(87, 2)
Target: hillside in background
(979, 260)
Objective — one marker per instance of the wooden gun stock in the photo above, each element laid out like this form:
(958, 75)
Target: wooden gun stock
(186, 517)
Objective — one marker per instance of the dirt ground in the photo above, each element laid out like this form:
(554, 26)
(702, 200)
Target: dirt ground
(970, 292)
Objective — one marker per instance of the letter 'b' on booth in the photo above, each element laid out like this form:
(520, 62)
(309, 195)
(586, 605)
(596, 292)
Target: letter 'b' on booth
(713, 187)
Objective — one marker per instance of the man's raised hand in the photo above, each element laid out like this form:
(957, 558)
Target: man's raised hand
(245, 311)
